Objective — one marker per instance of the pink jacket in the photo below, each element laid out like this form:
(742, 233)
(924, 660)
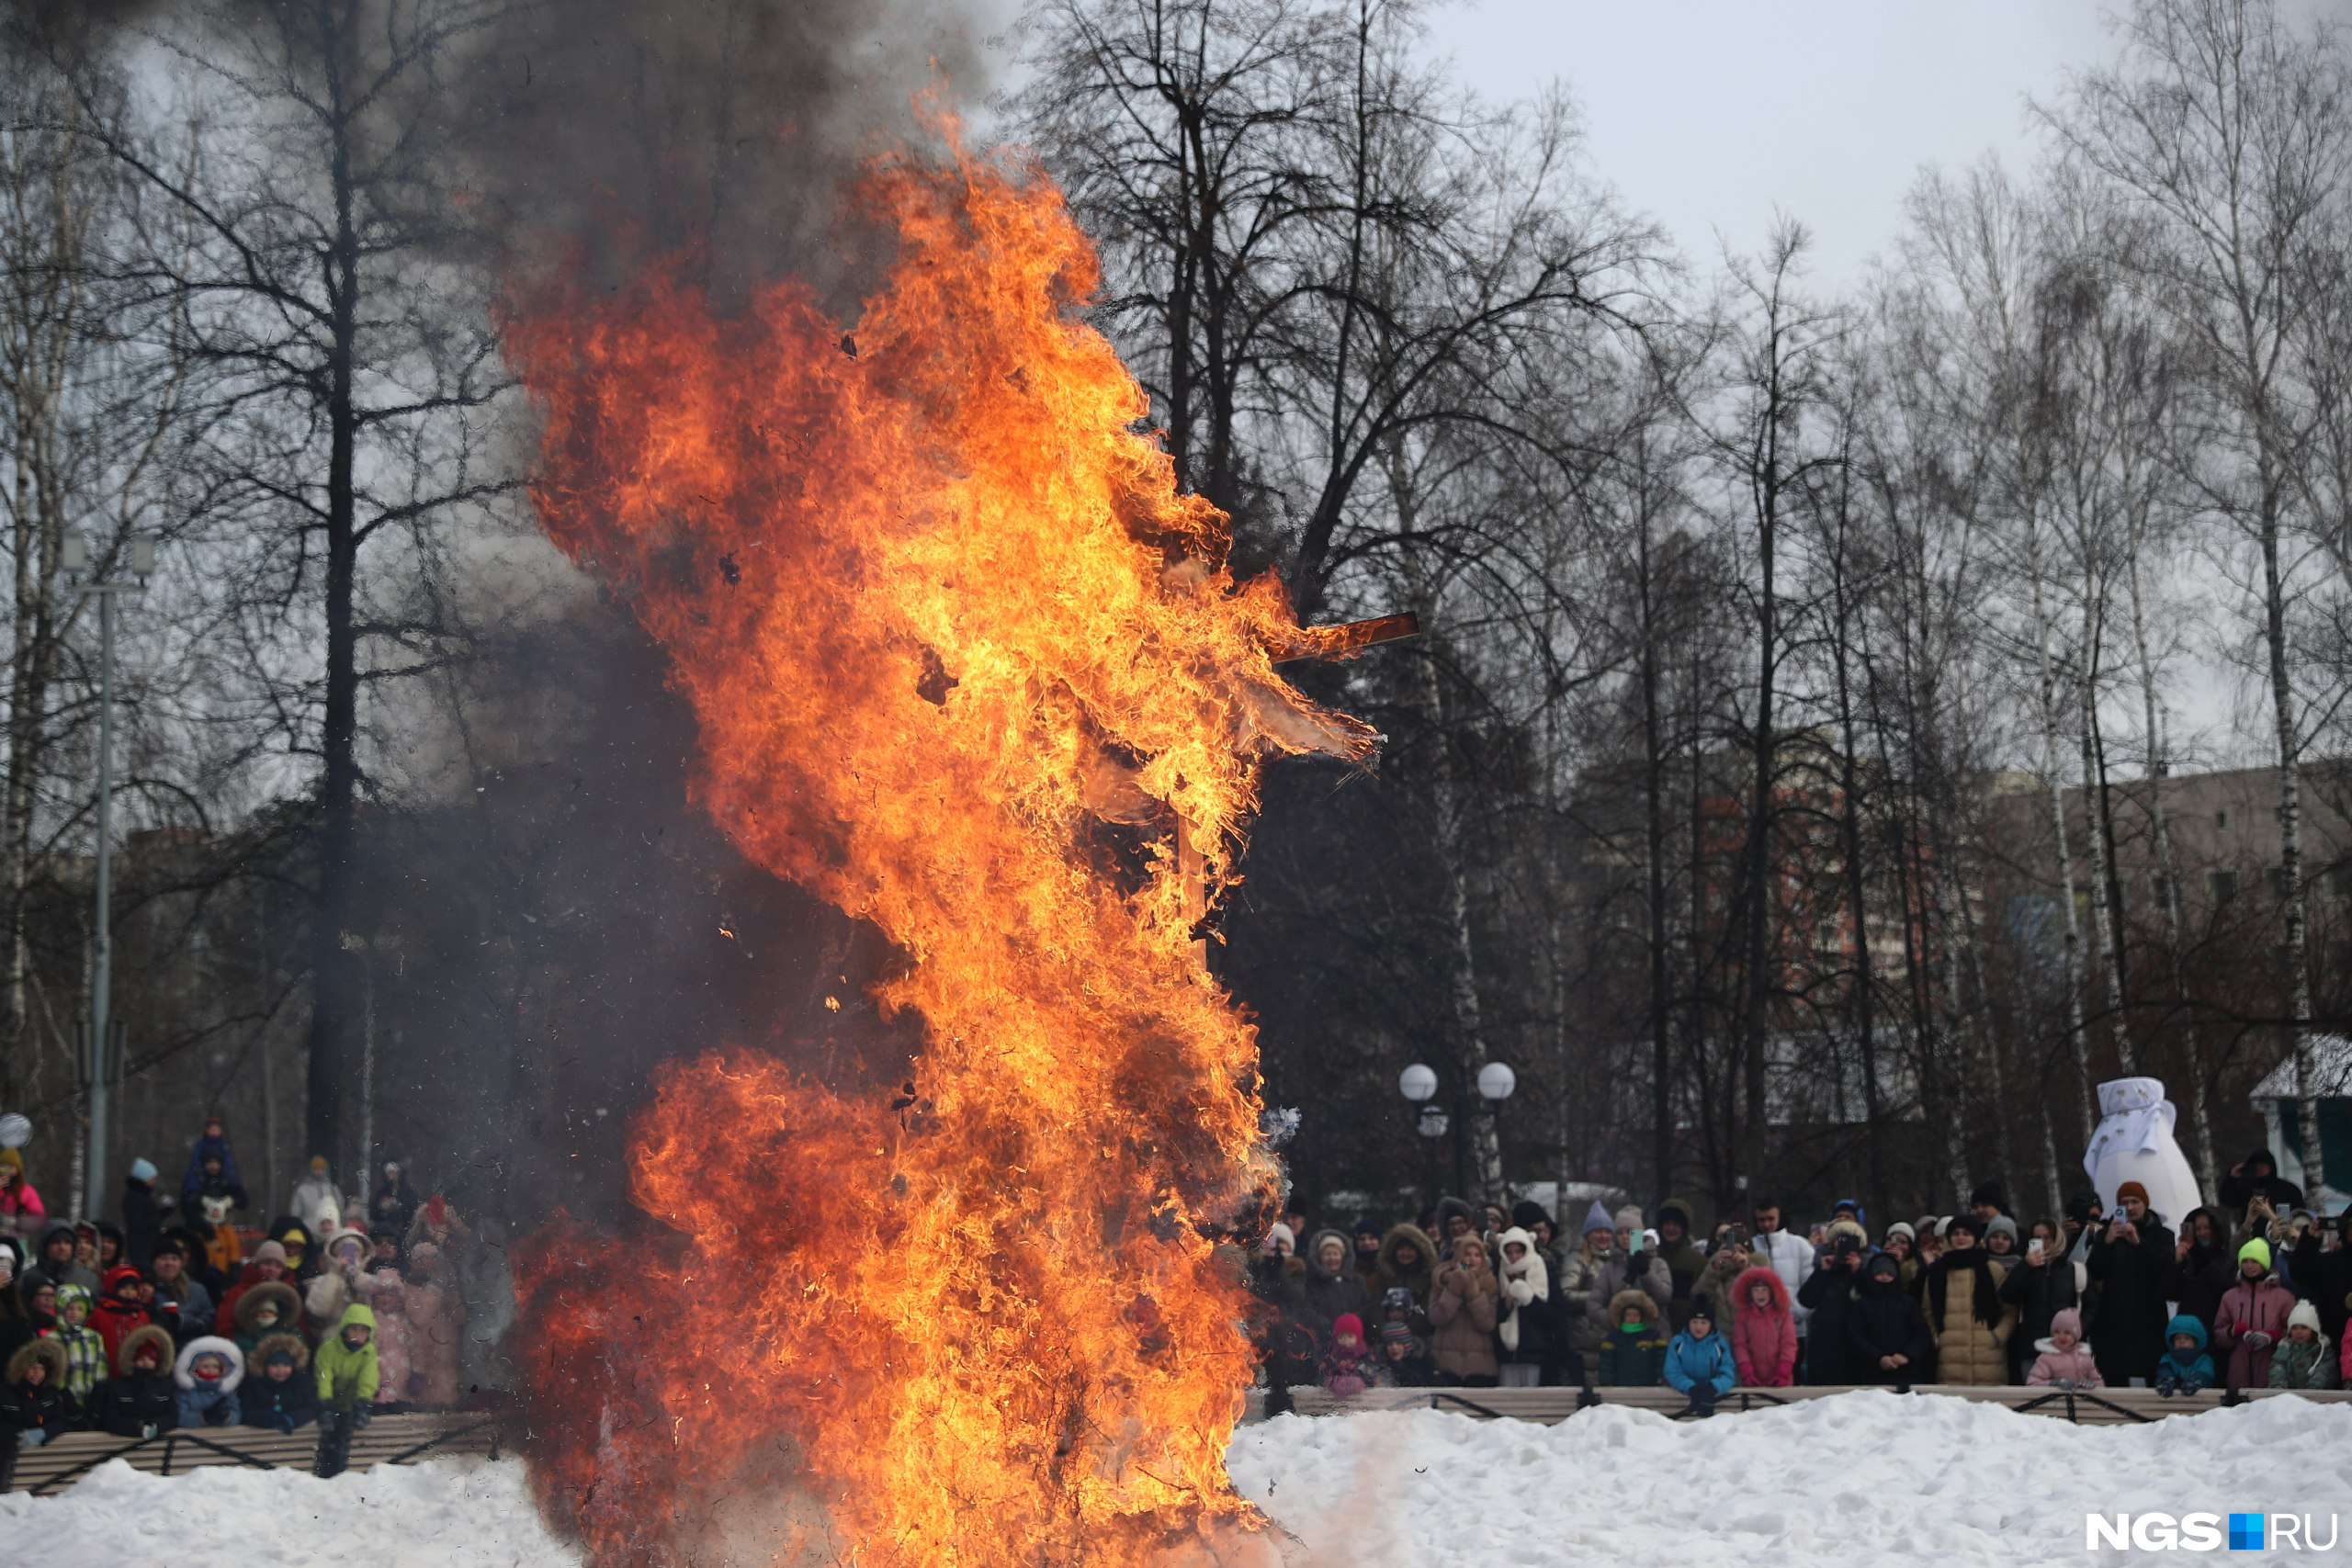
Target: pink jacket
(2262, 1306)
(1763, 1343)
(2074, 1366)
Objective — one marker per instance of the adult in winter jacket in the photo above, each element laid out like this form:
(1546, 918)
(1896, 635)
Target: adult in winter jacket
(2256, 1176)
(2301, 1359)
(1763, 1330)
(1829, 1292)
(1583, 1302)
(211, 1169)
(392, 1208)
(2251, 1319)
(1632, 1353)
(1697, 1361)
(1682, 1258)
(1366, 1240)
(34, 1406)
(2127, 1264)
(1726, 1263)
(208, 1373)
(22, 1212)
(338, 1283)
(2204, 1266)
(2065, 1360)
(1409, 1259)
(179, 1303)
(1887, 1340)
(56, 1263)
(1527, 1329)
(318, 1201)
(1464, 1312)
(1632, 1265)
(1970, 1324)
(145, 1211)
(279, 1393)
(138, 1401)
(2325, 1276)
(1330, 1287)
(2038, 1286)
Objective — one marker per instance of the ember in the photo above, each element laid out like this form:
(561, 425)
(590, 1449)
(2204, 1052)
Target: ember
(968, 666)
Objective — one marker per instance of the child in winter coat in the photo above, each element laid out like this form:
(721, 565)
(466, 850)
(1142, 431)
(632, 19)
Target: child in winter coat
(389, 1339)
(138, 1401)
(2185, 1368)
(1632, 1353)
(207, 1373)
(1763, 1330)
(85, 1352)
(121, 1307)
(2301, 1359)
(1697, 1361)
(1403, 1360)
(1348, 1367)
(348, 1366)
(2252, 1318)
(282, 1398)
(2065, 1361)
(34, 1406)
(273, 1307)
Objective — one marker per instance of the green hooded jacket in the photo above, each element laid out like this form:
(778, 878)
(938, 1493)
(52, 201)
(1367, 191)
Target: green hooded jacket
(348, 1378)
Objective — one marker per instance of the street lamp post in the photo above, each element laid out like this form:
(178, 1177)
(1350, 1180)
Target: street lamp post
(1418, 1084)
(75, 557)
(1495, 1081)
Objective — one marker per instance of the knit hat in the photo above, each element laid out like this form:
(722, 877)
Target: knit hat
(2131, 1190)
(1629, 1218)
(1597, 1219)
(1390, 1333)
(1527, 1214)
(1281, 1233)
(1700, 1312)
(2257, 1249)
(2001, 1224)
(2069, 1319)
(2305, 1315)
(11, 1160)
(1347, 1326)
(142, 1170)
(1903, 1228)
(271, 1251)
(1968, 1223)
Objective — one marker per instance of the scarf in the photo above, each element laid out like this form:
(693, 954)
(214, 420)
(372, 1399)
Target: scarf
(1985, 1305)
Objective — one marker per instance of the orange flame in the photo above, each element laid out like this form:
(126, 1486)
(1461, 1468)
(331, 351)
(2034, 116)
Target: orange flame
(962, 656)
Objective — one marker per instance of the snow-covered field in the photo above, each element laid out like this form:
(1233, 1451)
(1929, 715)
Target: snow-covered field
(1864, 1478)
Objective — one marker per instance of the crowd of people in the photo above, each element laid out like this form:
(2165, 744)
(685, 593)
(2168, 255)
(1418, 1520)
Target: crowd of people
(2251, 1291)
(178, 1318)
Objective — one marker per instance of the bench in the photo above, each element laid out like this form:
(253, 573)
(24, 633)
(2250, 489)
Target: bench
(388, 1439)
(1550, 1407)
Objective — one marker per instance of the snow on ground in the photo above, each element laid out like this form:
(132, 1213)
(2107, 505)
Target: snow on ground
(1870, 1479)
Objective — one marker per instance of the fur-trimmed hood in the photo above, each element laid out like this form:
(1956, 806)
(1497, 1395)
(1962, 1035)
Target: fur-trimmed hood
(287, 1301)
(1752, 1276)
(126, 1355)
(184, 1375)
(1652, 1318)
(52, 1351)
(271, 1343)
(1411, 1235)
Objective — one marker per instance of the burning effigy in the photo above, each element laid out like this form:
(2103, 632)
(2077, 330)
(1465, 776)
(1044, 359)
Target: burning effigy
(968, 665)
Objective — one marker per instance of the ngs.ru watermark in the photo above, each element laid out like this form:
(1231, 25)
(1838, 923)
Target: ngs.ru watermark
(2209, 1532)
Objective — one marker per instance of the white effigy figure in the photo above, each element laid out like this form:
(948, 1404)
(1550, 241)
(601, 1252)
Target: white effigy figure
(2134, 1143)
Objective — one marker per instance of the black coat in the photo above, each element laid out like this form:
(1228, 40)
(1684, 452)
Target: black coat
(132, 1404)
(2039, 1292)
(280, 1406)
(142, 1222)
(2198, 1281)
(2325, 1278)
(47, 1408)
(2237, 1192)
(2128, 1336)
(1829, 1339)
(1885, 1320)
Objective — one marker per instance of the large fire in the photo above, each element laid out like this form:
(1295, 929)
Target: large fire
(969, 666)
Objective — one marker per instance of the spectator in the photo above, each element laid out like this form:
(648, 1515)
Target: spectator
(1989, 1202)
(1330, 1287)
(338, 1283)
(1536, 1221)
(1763, 1330)
(120, 1310)
(1697, 1361)
(1348, 1366)
(1454, 1220)
(2326, 1273)
(2001, 1239)
(1789, 1257)
(302, 1247)
(15, 1328)
(1682, 1259)
(395, 1375)
(211, 1169)
(267, 1267)
(180, 1303)
(1902, 1244)
(221, 1257)
(39, 1298)
(21, 1210)
(2127, 1264)
(1408, 1261)
(2251, 1319)
(208, 1373)
(143, 1210)
(1886, 1336)
(2203, 1267)
(85, 1353)
(1727, 1261)
(2256, 1176)
(393, 1207)
(1582, 1297)
(1634, 1264)
(1632, 1352)
(2065, 1361)
(35, 1403)
(271, 1307)
(348, 1371)
(2301, 1359)
(1829, 1290)
(138, 1401)
(2041, 1285)
(2184, 1367)
(1465, 1313)
(57, 1264)
(1367, 1234)
(279, 1397)
(436, 1322)
(1403, 1358)
(387, 1253)
(1970, 1322)
(1535, 1350)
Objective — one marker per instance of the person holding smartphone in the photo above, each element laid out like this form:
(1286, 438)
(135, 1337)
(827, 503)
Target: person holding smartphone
(2127, 1263)
(2043, 1284)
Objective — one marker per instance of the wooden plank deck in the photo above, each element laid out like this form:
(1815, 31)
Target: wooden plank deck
(388, 1439)
(1549, 1406)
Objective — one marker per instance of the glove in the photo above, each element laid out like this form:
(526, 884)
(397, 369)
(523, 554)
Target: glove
(363, 1415)
(2257, 1339)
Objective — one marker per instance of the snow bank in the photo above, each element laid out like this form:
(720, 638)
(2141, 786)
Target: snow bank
(1863, 1478)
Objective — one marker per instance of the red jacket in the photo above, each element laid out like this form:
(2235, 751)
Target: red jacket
(2262, 1306)
(113, 1319)
(1763, 1341)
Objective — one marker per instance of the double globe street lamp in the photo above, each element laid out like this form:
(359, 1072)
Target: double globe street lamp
(1419, 1085)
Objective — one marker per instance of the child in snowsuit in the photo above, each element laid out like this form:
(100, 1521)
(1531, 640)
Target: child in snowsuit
(1763, 1330)
(1699, 1363)
(34, 1406)
(1348, 1367)
(2065, 1361)
(85, 1351)
(349, 1379)
(121, 1308)
(1632, 1353)
(207, 1373)
(2301, 1359)
(138, 1401)
(2185, 1368)
(282, 1397)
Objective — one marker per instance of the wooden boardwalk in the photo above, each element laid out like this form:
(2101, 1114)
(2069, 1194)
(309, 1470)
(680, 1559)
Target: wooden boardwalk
(2105, 1407)
(388, 1439)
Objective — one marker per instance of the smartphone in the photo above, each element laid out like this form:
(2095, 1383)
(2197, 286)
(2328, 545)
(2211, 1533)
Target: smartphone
(2034, 1249)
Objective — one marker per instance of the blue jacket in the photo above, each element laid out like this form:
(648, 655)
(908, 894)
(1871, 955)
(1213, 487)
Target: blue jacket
(1689, 1362)
(214, 1406)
